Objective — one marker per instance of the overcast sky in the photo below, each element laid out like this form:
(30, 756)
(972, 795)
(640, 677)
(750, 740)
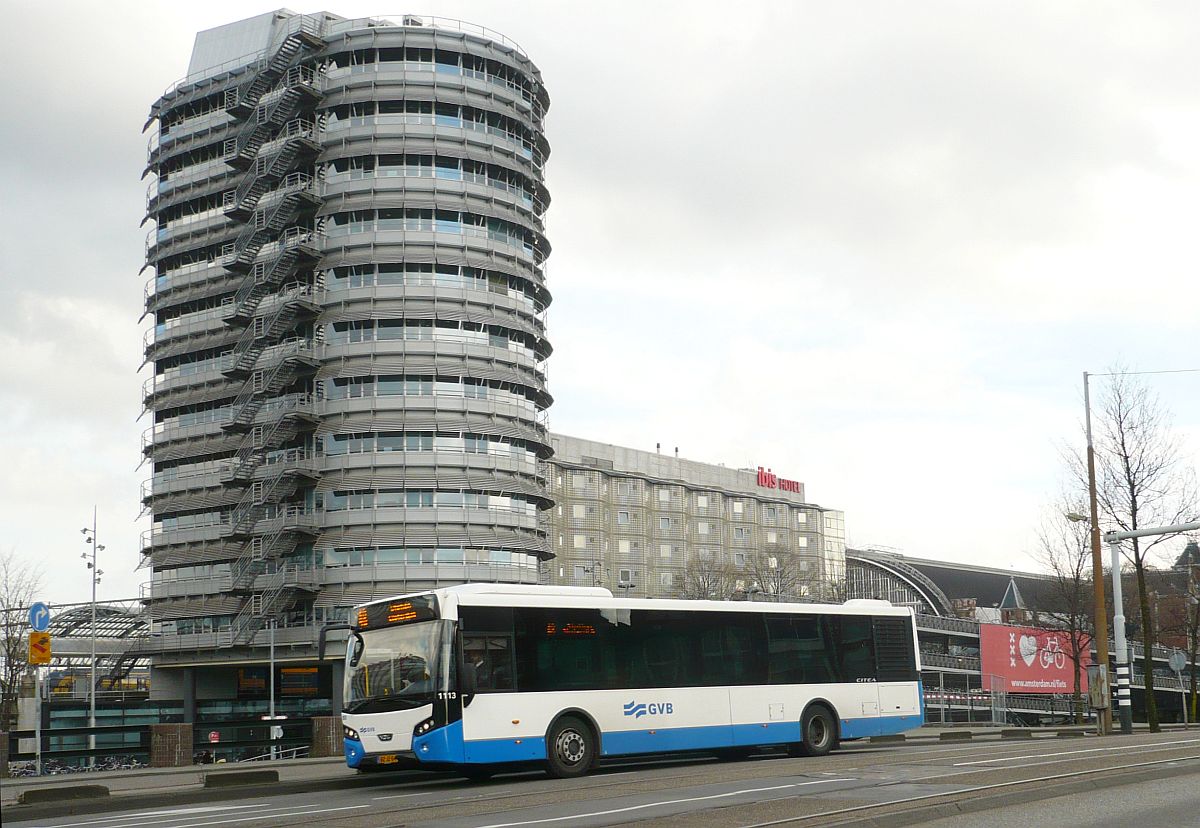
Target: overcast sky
(871, 245)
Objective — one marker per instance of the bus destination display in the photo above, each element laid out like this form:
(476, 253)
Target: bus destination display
(394, 613)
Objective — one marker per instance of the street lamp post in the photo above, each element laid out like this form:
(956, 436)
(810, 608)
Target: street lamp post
(91, 539)
(1100, 612)
(1122, 652)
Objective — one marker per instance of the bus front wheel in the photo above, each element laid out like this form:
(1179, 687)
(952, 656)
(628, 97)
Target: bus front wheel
(571, 748)
(818, 733)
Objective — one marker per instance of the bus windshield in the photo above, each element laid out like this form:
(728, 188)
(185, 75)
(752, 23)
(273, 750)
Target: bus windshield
(394, 668)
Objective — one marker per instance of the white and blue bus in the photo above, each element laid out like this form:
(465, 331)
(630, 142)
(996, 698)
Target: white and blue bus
(478, 676)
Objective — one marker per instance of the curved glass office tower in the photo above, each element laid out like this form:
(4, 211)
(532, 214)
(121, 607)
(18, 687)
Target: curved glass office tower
(348, 391)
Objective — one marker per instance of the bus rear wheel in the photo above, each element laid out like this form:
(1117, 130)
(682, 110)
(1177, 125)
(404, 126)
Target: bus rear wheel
(818, 733)
(570, 748)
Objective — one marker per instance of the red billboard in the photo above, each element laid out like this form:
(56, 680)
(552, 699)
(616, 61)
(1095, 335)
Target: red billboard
(1031, 660)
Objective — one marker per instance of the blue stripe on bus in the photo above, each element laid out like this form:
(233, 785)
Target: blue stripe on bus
(446, 744)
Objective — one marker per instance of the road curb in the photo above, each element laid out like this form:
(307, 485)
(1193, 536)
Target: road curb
(955, 736)
(891, 737)
(231, 778)
(35, 796)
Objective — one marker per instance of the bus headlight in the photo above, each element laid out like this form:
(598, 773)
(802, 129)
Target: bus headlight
(423, 727)
(350, 733)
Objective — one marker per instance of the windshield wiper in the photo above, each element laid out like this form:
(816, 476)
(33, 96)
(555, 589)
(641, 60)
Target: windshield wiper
(382, 704)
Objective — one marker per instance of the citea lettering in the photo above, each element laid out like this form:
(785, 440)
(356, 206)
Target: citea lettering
(769, 480)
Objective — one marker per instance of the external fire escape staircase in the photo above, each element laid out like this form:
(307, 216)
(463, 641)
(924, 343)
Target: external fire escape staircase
(275, 250)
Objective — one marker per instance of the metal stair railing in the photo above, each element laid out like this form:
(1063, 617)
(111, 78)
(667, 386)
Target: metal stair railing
(273, 109)
(252, 506)
(247, 95)
(248, 621)
(252, 452)
(247, 567)
(253, 395)
(262, 224)
(274, 161)
(264, 275)
(254, 339)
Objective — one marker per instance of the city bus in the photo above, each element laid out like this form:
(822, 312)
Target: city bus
(477, 677)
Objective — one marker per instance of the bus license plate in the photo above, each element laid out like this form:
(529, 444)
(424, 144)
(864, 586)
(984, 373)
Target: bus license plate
(389, 759)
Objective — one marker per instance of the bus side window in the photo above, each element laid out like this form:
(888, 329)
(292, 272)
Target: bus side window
(784, 664)
(856, 646)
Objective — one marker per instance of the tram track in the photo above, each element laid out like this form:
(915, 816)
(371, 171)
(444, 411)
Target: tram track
(956, 800)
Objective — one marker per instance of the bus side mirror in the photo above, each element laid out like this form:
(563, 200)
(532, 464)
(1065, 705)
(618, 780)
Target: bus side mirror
(328, 628)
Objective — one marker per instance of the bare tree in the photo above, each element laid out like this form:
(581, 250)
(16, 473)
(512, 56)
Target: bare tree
(20, 583)
(1064, 548)
(707, 577)
(777, 572)
(1141, 481)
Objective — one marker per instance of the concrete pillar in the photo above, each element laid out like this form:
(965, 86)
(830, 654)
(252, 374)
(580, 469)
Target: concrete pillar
(336, 698)
(171, 745)
(189, 697)
(326, 736)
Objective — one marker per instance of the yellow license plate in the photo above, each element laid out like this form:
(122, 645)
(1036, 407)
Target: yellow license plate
(389, 759)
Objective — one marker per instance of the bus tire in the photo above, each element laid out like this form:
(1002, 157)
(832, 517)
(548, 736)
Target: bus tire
(570, 748)
(818, 732)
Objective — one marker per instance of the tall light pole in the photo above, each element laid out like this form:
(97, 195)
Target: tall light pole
(91, 539)
(1100, 611)
(1123, 671)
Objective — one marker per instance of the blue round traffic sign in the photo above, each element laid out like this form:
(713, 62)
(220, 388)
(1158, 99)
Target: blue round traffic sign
(39, 617)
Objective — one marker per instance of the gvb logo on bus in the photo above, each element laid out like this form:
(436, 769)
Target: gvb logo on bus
(639, 709)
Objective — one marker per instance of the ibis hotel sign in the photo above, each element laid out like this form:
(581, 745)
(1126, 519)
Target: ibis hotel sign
(769, 480)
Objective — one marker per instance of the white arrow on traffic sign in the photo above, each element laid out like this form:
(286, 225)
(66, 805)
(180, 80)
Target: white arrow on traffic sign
(39, 617)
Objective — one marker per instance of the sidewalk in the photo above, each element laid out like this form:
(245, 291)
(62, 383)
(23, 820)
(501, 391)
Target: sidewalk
(170, 780)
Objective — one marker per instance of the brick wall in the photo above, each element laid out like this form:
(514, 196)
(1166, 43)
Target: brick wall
(170, 745)
(326, 736)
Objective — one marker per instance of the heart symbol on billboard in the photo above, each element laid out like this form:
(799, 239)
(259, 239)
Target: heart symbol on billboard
(1029, 649)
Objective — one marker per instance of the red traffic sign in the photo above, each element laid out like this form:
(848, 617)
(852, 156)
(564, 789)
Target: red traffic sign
(214, 736)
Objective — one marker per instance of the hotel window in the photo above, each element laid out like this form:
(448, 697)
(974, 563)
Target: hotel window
(664, 523)
(802, 518)
(772, 537)
(578, 511)
(622, 518)
(579, 481)
(739, 558)
(664, 550)
(802, 541)
(622, 487)
(581, 572)
(664, 495)
(666, 579)
(769, 514)
(580, 541)
(625, 575)
(623, 546)
(702, 528)
(701, 501)
(737, 507)
(741, 533)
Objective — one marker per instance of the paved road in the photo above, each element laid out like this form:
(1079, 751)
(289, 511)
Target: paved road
(701, 793)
